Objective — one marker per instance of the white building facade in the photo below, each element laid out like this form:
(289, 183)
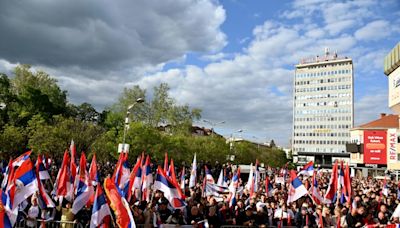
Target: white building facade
(322, 109)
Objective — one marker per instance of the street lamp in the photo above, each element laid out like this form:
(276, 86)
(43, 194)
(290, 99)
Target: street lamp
(124, 146)
(213, 124)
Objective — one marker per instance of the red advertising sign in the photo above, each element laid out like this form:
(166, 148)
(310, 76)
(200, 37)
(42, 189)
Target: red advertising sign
(375, 147)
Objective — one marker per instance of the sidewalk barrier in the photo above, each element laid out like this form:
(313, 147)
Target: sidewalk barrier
(49, 224)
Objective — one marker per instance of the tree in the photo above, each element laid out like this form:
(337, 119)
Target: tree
(12, 141)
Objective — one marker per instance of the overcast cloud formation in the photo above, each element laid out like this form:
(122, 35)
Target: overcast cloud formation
(95, 48)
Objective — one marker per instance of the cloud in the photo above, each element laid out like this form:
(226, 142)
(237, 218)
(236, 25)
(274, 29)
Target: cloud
(375, 30)
(108, 35)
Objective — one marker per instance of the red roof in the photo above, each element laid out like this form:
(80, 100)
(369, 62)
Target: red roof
(386, 121)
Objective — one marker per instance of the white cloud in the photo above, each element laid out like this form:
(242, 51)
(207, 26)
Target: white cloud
(375, 30)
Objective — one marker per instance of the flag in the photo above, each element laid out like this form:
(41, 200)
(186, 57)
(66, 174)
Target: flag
(166, 162)
(64, 184)
(84, 187)
(193, 173)
(72, 167)
(6, 175)
(4, 217)
(24, 183)
(341, 184)
(256, 177)
(318, 199)
(183, 178)
(42, 172)
(135, 179)
(122, 212)
(217, 191)
(147, 179)
(121, 174)
(93, 174)
(332, 188)
(250, 183)
(347, 183)
(268, 187)
(209, 177)
(222, 179)
(308, 169)
(100, 209)
(44, 199)
(233, 187)
(21, 159)
(296, 188)
(171, 172)
(170, 189)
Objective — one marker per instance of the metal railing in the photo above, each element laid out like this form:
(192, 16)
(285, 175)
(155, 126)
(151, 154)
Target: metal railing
(48, 224)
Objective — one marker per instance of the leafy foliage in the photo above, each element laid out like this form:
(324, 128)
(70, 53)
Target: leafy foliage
(37, 115)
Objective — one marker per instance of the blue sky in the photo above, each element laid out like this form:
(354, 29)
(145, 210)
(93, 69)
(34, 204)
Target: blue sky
(233, 59)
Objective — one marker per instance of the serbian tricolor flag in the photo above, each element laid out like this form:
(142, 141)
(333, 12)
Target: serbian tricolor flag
(25, 182)
(93, 173)
(308, 169)
(296, 188)
(4, 219)
(147, 179)
(122, 212)
(21, 159)
(135, 179)
(232, 189)
(193, 173)
(332, 188)
(43, 174)
(268, 187)
(171, 172)
(84, 187)
(6, 175)
(318, 199)
(44, 199)
(170, 189)
(341, 183)
(64, 184)
(347, 183)
(209, 177)
(256, 176)
(122, 173)
(100, 209)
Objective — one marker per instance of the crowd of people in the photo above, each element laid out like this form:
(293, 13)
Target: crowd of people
(370, 205)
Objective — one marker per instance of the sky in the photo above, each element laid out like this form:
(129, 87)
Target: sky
(233, 59)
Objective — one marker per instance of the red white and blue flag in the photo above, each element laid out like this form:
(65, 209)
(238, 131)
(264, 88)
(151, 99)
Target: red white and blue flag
(4, 211)
(333, 184)
(93, 173)
(84, 187)
(6, 175)
(24, 183)
(268, 187)
(170, 189)
(43, 198)
(308, 169)
(318, 199)
(147, 179)
(183, 179)
(135, 179)
(41, 169)
(296, 188)
(73, 168)
(209, 177)
(100, 209)
(122, 174)
(64, 186)
(171, 171)
(193, 173)
(233, 187)
(21, 159)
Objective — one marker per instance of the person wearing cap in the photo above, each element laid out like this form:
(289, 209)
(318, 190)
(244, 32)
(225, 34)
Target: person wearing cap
(248, 218)
(163, 212)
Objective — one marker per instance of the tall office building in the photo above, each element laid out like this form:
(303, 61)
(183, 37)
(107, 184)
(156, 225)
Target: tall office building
(322, 109)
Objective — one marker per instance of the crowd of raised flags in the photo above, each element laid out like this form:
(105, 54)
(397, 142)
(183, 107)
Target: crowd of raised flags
(81, 186)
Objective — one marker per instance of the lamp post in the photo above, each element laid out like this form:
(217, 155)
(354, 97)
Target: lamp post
(258, 144)
(124, 146)
(213, 124)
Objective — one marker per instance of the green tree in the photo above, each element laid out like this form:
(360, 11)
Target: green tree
(12, 141)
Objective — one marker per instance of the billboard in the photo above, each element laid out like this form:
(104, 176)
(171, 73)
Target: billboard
(392, 145)
(375, 147)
